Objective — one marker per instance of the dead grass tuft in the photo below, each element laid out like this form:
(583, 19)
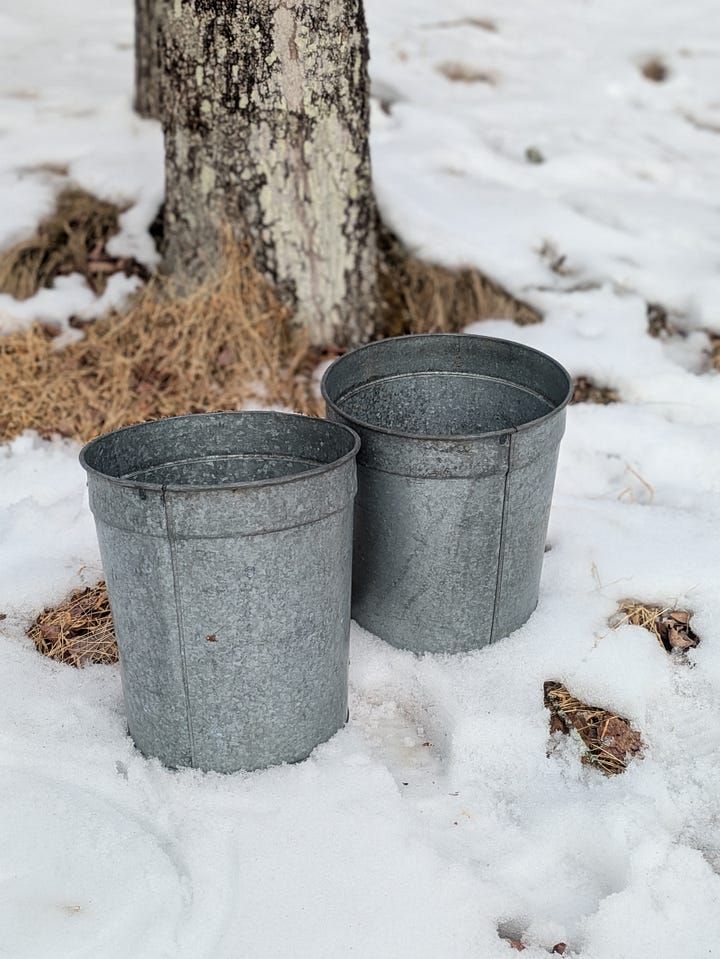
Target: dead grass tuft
(586, 390)
(609, 739)
(658, 322)
(226, 343)
(71, 240)
(458, 72)
(421, 297)
(671, 627)
(715, 350)
(79, 631)
(220, 346)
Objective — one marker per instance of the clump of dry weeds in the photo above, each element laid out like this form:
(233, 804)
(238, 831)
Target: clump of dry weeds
(715, 350)
(218, 347)
(586, 390)
(227, 343)
(608, 738)
(670, 627)
(421, 297)
(73, 239)
(79, 631)
(458, 72)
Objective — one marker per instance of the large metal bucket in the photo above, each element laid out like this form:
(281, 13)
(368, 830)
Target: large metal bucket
(459, 444)
(226, 540)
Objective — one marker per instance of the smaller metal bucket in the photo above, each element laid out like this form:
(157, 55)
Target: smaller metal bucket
(226, 540)
(459, 444)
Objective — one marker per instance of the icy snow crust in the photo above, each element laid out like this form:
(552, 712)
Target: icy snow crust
(435, 817)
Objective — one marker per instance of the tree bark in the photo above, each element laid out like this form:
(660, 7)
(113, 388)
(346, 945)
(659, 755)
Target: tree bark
(265, 112)
(148, 69)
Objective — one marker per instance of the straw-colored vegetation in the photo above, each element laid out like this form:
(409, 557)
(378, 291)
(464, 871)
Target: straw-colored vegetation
(421, 297)
(671, 627)
(70, 240)
(586, 390)
(79, 631)
(608, 738)
(221, 346)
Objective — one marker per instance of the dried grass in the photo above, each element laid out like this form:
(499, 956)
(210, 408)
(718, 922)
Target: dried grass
(227, 343)
(421, 297)
(715, 350)
(671, 627)
(79, 631)
(71, 240)
(221, 346)
(586, 390)
(609, 739)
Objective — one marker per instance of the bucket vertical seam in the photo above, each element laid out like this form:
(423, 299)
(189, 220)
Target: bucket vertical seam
(501, 545)
(180, 625)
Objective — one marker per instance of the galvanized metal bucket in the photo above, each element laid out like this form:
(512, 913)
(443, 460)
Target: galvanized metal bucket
(459, 443)
(226, 540)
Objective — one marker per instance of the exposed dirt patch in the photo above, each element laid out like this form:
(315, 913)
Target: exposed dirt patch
(221, 346)
(660, 323)
(72, 240)
(715, 350)
(671, 627)
(79, 631)
(458, 72)
(609, 740)
(655, 70)
(586, 390)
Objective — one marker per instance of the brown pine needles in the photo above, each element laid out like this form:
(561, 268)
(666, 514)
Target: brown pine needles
(221, 346)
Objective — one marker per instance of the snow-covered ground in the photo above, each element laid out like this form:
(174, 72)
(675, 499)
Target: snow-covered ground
(380, 846)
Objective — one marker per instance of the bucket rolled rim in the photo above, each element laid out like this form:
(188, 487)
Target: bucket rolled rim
(208, 487)
(446, 437)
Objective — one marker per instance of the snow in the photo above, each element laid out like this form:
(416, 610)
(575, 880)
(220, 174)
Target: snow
(435, 819)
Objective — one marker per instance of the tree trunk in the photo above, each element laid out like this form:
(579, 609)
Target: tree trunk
(265, 112)
(148, 79)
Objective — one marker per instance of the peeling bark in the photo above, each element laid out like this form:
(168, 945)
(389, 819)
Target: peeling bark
(148, 68)
(265, 112)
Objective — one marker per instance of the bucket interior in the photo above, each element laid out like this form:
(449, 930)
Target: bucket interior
(218, 449)
(443, 404)
(221, 470)
(446, 385)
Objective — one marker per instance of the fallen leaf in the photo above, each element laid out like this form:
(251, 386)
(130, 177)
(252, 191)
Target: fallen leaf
(619, 738)
(679, 640)
(557, 725)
